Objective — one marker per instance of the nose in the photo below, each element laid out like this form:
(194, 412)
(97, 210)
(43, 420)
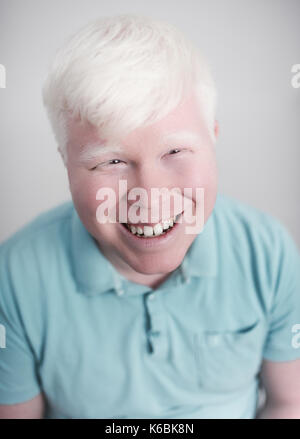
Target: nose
(148, 177)
(152, 182)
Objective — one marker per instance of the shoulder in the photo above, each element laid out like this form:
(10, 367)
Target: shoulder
(41, 223)
(256, 242)
(44, 235)
(248, 225)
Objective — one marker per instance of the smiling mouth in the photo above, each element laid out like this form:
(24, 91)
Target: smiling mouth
(158, 229)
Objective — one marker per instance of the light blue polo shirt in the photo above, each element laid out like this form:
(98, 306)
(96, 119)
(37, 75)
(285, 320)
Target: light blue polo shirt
(100, 346)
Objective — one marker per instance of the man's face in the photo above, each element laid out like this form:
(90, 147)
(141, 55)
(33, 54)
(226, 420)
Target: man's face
(145, 161)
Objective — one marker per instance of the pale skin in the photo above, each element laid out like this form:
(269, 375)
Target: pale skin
(145, 162)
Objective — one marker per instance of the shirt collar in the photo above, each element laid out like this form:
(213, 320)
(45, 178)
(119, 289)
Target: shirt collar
(92, 271)
(94, 274)
(201, 258)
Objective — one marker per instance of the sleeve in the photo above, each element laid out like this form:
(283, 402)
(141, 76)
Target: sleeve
(18, 377)
(283, 338)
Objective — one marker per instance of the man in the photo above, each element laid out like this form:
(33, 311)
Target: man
(133, 317)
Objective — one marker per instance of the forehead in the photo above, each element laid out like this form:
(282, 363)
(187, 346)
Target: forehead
(184, 123)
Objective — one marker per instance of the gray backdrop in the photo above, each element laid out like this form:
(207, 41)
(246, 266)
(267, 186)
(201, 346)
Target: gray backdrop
(251, 46)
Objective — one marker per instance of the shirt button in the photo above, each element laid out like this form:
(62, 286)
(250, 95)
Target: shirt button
(151, 296)
(214, 340)
(120, 292)
(154, 333)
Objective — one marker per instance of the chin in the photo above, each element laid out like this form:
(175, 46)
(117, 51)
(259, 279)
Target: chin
(157, 265)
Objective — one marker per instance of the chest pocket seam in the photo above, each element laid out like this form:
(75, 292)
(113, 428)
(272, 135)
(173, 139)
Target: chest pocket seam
(227, 359)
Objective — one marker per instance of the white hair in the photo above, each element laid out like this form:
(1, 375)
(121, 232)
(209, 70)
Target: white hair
(123, 72)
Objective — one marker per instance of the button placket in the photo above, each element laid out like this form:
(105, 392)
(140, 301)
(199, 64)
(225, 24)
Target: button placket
(184, 272)
(118, 284)
(156, 334)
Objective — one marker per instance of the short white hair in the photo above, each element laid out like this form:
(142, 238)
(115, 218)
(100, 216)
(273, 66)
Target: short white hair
(123, 72)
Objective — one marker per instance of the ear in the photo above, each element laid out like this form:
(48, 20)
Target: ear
(216, 129)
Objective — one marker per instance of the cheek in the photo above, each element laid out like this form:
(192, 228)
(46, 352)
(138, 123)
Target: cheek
(84, 189)
(201, 172)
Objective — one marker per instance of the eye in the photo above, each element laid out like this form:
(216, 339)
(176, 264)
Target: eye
(174, 151)
(113, 162)
(108, 163)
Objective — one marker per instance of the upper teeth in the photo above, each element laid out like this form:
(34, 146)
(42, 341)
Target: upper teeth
(157, 230)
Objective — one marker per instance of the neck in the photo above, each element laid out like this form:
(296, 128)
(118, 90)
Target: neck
(150, 280)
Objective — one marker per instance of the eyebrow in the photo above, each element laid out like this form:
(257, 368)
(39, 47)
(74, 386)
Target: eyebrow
(94, 150)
